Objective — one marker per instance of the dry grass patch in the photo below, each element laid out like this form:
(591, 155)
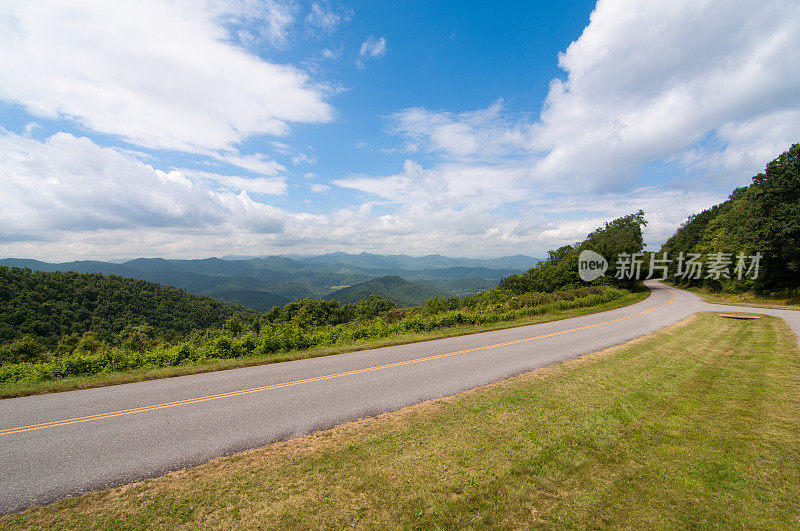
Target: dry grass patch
(695, 426)
(747, 298)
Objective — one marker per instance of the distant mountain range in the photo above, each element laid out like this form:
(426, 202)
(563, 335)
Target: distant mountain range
(261, 283)
(431, 261)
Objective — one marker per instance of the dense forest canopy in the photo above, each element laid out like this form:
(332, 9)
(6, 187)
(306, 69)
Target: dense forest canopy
(761, 218)
(46, 306)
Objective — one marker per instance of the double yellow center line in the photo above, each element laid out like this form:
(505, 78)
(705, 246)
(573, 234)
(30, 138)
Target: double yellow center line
(154, 407)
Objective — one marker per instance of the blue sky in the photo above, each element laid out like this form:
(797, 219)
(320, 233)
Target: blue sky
(192, 129)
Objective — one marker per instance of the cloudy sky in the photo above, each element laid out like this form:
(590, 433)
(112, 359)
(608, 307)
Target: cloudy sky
(195, 128)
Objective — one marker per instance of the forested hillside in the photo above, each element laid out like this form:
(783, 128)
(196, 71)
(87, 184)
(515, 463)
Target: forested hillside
(763, 217)
(47, 306)
(402, 292)
(560, 270)
(260, 301)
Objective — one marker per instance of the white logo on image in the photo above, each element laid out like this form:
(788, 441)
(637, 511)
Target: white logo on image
(591, 265)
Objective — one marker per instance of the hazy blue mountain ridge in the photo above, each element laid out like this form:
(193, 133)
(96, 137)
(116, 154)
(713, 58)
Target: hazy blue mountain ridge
(259, 283)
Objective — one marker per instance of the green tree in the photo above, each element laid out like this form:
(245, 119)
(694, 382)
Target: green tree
(233, 326)
(89, 344)
(774, 224)
(23, 350)
(67, 344)
(138, 338)
(371, 307)
(315, 312)
(761, 218)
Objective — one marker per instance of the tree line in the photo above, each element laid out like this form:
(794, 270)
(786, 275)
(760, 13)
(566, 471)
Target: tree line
(762, 218)
(560, 270)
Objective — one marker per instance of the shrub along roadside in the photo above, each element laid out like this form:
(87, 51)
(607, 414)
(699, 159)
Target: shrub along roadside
(268, 337)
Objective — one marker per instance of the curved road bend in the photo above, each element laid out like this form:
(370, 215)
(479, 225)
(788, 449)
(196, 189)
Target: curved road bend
(63, 444)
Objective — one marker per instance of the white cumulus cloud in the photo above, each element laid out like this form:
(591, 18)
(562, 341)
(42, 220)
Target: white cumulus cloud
(70, 184)
(708, 92)
(157, 74)
(646, 81)
(482, 133)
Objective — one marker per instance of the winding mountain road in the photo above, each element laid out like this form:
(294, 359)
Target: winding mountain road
(63, 444)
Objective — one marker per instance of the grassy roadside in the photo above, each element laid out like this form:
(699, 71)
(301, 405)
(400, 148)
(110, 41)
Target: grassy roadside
(743, 299)
(694, 426)
(9, 390)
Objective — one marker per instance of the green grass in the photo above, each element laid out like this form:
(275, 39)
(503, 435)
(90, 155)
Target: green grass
(24, 388)
(696, 426)
(747, 298)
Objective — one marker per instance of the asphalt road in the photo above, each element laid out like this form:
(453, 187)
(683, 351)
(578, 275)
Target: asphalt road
(63, 444)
